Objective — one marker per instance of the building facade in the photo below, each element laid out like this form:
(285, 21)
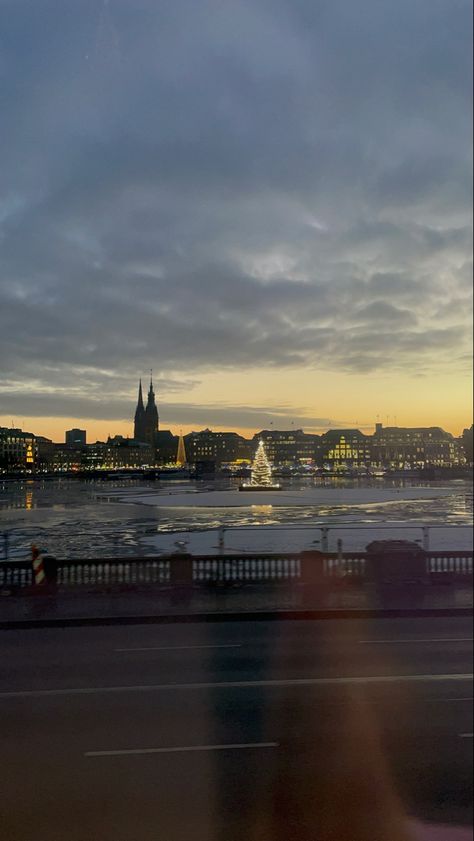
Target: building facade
(68, 458)
(166, 447)
(339, 448)
(116, 453)
(18, 451)
(415, 447)
(119, 453)
(76, 436)
(466, 442)
(287, 447)
(217, 447)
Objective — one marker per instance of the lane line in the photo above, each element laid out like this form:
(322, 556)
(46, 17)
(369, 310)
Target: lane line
(452, 700)
(466, 735)
(185, 749)
(399, 642)
(238, 684)
(178, 647)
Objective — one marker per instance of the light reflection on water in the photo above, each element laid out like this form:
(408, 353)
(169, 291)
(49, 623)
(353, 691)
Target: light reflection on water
(71, 518)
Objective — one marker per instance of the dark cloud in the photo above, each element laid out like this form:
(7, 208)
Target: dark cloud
(199, 185)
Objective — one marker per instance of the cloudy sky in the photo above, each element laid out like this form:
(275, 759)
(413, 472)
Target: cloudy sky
(266, 201)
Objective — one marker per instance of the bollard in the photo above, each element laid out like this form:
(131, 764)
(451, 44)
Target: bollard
(39, 575)
(325, 539)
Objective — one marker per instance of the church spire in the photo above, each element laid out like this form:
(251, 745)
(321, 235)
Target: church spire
(151, 392)
(151, 413)
(140, 395)
(140, 418)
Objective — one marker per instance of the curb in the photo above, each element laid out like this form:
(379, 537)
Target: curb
(247, 616)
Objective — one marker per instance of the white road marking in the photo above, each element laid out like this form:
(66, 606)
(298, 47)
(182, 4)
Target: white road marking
(178, 647)
(398, 642)
(185, 749)
(466, 735)
(237, 684)
(451, 700)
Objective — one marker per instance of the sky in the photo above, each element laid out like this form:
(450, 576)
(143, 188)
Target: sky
(267, 202)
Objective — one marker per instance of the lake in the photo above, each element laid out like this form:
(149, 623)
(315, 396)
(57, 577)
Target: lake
(82, 518)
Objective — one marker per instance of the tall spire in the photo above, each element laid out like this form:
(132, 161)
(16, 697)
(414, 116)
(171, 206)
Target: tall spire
(151, 392)
(140, 395)
(140, 418)
(151, 413)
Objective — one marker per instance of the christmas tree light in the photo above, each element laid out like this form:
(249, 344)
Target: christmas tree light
(261, 473)
(181, 456)
(261, 469)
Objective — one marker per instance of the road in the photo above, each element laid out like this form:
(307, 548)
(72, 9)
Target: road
(233, 731)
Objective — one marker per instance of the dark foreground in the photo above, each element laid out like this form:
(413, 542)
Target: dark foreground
(245, 730)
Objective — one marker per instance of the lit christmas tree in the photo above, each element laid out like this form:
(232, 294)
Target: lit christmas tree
(181, 456)
(261, 470)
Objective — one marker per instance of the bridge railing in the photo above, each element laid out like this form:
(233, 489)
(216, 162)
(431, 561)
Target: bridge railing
(15, 574)
(448, 567)
(348, 564)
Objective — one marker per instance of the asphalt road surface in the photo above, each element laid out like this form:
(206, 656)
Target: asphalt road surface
(246, 730)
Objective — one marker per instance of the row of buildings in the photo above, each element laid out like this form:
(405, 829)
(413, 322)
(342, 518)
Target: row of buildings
(337, 449)
(390, 447)
(387, 447)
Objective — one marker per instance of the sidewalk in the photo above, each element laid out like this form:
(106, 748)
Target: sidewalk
(93, 604)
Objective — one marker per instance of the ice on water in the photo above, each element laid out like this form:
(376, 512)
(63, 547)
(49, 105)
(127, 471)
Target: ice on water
(74, 518)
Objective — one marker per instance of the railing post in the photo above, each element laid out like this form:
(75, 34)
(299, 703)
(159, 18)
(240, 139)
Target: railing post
(314, 578)
(426, 538)
(339, 550)
(324, 539)
(181, 578)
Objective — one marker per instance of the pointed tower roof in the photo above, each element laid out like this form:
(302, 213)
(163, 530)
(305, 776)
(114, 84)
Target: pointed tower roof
(139, 414)
(151, 405)
(151, 412)
(140, 395)
(139, 431)
(151, 390)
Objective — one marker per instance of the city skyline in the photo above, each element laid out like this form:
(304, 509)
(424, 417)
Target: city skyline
(138, 426)
(385, 449)
(173, 417)
(269, 203)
